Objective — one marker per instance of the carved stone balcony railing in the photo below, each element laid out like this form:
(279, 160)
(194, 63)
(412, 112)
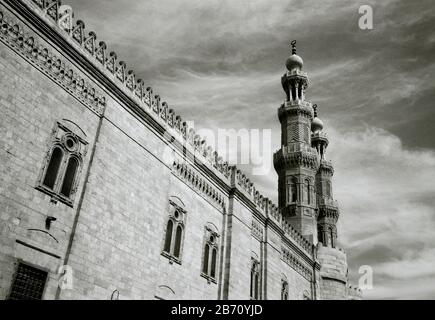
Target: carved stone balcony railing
(297, 73)
(294, 107)
(296, 155)
(326, 165)
(319, 136)
(323, 201)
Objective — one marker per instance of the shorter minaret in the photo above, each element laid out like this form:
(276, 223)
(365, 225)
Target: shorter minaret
(333, 261)
(328, 213)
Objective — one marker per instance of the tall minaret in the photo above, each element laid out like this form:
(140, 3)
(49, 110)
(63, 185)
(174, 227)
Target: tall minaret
(297, 162)
(327, 207)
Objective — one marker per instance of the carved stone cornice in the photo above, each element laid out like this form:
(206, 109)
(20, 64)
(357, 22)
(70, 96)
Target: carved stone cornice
(295, 108)
(186, 173)
(294, 262)
(26, 44)
(326, 167)
(328, 212)
(291, 158)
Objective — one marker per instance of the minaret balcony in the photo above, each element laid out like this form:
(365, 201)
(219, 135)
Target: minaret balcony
(296, 72)
(327, 202)
(326, 166)
(319, 137)
(294, 108)
(296, 155)
(328, 209)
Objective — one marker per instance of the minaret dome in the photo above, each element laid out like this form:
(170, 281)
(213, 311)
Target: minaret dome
(294, 62)
(316, 124)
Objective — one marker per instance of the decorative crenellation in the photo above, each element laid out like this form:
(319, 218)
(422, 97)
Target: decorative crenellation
(296, 236)
(257, 230)
(296, 264)
(126, 79)
(187, 174)
(25, 43)
(268, 208)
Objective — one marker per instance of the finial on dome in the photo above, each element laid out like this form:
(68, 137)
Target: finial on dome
(316, 124)
(294, 61)
(293, 44)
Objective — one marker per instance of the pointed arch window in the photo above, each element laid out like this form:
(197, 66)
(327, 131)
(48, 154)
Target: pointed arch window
(69, 177)
(293, 190)
(53, 167)
(174, 233)
(255, 279)
(210, 253)
(328, 189)
(320, 237)
(331, 234)
(62, 166)
(308, 191)
(284, 290)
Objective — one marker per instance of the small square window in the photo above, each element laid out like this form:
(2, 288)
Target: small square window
(28, 284)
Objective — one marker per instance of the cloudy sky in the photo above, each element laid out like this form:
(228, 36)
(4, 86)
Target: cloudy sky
(219, 63)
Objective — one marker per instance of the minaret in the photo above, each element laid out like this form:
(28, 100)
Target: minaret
(297, 162)
(327, 207)
(333, 261)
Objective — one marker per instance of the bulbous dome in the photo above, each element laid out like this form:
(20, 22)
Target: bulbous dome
(294, 62)
(316, 125)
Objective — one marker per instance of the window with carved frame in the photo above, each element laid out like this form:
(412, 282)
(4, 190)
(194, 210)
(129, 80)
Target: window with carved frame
(174, 231)
(62, 165)
(210, 253)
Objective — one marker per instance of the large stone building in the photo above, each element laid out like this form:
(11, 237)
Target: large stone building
(91, 209)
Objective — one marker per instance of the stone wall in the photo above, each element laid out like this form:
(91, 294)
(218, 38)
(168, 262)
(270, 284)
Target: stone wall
(30, 106)
(333, 272)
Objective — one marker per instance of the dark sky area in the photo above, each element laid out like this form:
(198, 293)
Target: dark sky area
(218, 63)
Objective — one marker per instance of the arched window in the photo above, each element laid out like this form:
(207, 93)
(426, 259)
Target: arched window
(70, 175)
(320, 234)
(328, 189)
(294, 190)
(60, 174)
(255, 280)
(213, 263)
(206, 255)
(284, 290)
(168, 239)
(173, 240)
(308, 190)
(53, 168)
(210, 253)
(178, 237)
(332, 238)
